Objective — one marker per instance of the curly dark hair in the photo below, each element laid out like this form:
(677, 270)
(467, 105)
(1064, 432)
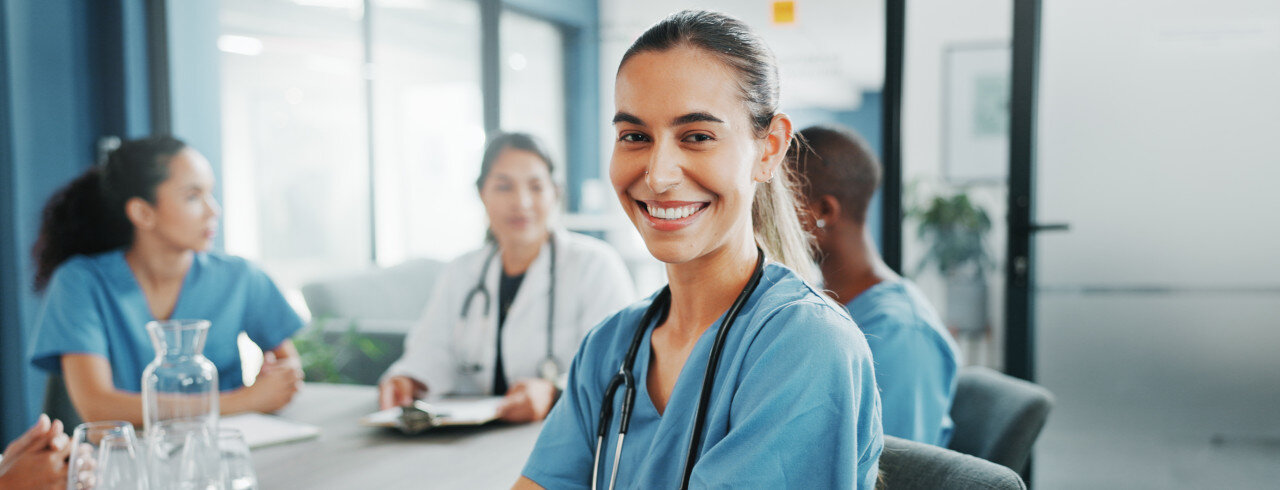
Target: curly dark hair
(87, 216)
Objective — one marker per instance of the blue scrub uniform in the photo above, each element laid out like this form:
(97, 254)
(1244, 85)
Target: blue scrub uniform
(94, 305)
(794, 403)
(915, 360)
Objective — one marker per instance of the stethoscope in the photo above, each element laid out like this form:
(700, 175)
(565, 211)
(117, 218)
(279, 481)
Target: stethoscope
(626, 379)
(549, 369)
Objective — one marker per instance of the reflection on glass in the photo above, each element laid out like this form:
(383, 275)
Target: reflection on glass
(955, 139)
(95, 447)
(237, 464)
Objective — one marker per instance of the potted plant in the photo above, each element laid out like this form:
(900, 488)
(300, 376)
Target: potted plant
(955, 229)
(327, 353)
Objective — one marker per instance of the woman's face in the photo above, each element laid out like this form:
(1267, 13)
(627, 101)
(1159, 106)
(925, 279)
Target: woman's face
(518, 196)
(185, 214)
(686, 160)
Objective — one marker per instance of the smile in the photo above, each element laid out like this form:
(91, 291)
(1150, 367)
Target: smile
(672, 215)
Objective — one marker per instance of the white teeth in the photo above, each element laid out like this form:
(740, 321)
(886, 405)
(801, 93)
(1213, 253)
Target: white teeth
(672, 213)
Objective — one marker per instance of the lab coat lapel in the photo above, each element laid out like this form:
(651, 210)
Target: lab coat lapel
(524, 334)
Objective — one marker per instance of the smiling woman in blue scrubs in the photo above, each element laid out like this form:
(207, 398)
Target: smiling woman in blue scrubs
(127, 243)
(697, 167)
(915, 357)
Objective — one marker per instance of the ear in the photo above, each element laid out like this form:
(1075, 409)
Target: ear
(826, 208)
(775, 148)
(141, 213)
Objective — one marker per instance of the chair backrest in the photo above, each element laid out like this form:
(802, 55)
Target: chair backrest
(383, 296)
(998, 417)
(383, 304)
(57, 403)
(910, 465)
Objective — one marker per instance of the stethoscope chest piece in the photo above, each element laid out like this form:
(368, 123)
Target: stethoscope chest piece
(549, 370)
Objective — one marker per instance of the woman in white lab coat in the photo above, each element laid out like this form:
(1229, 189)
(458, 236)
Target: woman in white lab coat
(507, 319)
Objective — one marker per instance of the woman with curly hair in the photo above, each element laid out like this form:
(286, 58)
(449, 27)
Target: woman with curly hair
(127, 243)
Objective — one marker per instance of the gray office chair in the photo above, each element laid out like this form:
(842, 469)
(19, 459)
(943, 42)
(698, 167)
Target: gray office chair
(57, 403)
(910, 465)
(998, 417)
(383, 303)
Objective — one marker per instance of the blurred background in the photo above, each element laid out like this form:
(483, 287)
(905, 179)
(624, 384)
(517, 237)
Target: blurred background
(1083, 188)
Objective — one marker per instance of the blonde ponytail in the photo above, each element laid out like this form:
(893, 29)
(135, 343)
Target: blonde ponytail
(777, 225)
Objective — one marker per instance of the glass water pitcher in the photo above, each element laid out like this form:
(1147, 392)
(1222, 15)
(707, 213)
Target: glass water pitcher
(180, 408)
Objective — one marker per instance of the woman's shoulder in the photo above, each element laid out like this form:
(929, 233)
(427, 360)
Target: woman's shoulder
(585, 248)
(786, 290)
(471, 258)
(231, 268)
(86, 269)
(791, 308)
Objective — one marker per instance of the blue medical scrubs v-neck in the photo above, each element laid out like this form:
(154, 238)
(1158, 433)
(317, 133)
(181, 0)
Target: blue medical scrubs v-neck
(794, 403)
(94, 305)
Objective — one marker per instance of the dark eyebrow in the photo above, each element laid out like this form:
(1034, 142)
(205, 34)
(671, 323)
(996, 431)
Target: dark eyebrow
(627, 118)
(695, 117)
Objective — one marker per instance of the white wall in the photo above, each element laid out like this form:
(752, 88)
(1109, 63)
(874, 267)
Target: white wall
(1159, 312)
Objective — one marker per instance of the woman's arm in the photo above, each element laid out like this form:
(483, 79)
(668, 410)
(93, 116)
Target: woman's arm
(88, 380)
(526, 484)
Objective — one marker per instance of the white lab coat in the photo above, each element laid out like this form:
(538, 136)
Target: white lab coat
(453, 356)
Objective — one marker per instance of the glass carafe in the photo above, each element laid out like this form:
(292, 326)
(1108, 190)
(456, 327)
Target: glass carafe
(180, 407)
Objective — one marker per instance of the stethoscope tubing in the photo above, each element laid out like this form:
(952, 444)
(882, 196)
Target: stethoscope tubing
(480, 289)
(626, 379)
(713, 361)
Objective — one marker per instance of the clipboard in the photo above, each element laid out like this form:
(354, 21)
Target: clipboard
(422, 416)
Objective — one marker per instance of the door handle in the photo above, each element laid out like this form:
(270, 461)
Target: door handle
(1038, 227)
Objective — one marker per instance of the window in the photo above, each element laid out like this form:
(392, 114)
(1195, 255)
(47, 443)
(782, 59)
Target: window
(353, 137)
(532, 60)
(294, 135)
(428, 128)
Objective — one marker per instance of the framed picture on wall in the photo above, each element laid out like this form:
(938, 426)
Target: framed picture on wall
(975, 108)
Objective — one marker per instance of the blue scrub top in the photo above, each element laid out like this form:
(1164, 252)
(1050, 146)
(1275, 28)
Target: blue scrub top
(915, 357)
(794, 403)
(94, 305)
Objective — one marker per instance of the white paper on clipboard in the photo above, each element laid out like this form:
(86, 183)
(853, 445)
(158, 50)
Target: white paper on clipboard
(446, 411)
(265, 430)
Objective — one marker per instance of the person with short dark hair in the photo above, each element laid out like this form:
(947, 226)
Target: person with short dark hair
(916, 359)
(128, 242)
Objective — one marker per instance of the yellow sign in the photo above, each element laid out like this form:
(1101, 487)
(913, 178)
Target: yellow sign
(784, 12)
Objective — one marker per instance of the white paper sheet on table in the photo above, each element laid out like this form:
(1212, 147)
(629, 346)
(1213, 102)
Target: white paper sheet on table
(264, 430)
(448, 411)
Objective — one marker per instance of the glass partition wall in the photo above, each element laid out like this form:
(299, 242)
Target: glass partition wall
(955, 165)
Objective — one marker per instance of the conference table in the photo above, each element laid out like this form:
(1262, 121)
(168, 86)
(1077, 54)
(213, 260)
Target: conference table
(348, 455)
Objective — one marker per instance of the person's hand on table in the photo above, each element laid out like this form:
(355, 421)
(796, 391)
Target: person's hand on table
(37, 459)
(399, 391)
(527, 401)
(276, 384)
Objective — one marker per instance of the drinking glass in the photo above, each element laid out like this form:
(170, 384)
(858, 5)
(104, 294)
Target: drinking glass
(86, 446)
(183, 454)
(237, 462)
(120, 467)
